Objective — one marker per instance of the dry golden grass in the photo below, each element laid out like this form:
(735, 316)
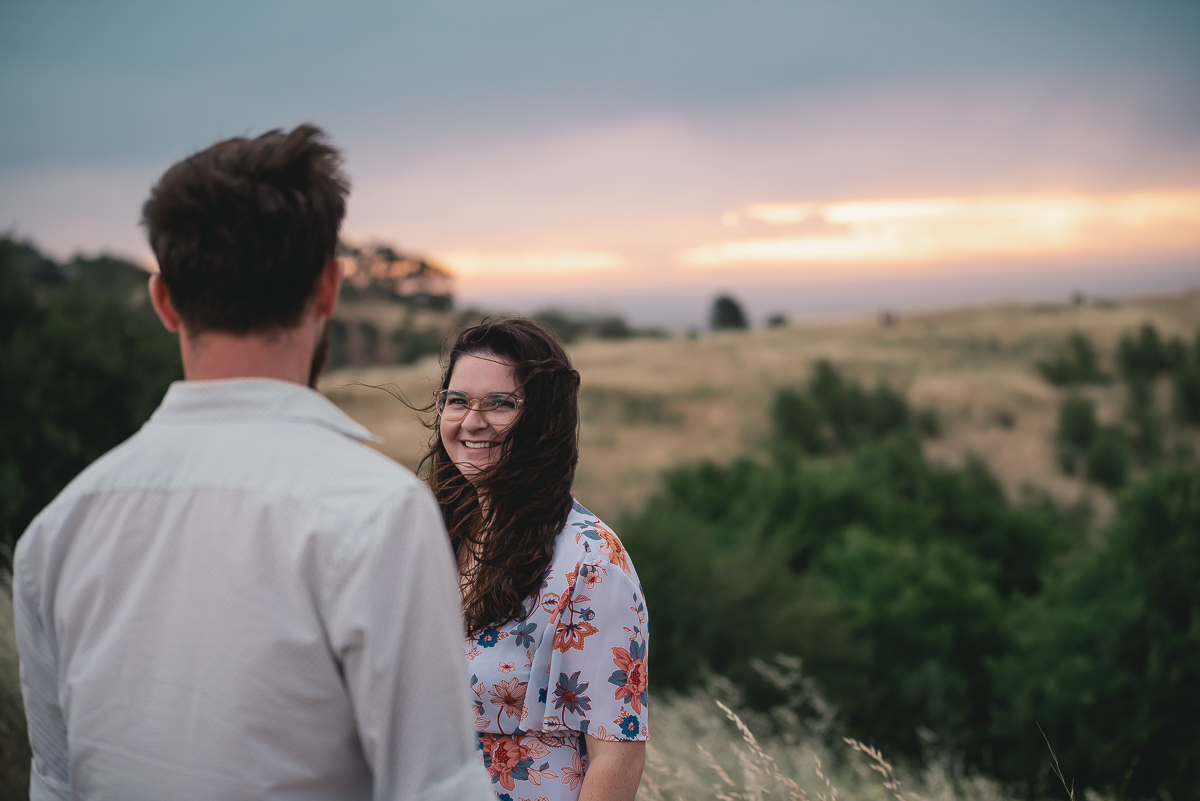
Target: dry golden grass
(650, 404)
(701, 749)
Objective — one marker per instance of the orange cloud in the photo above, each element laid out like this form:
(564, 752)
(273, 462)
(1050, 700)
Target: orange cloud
(887, 232)
(493, 264)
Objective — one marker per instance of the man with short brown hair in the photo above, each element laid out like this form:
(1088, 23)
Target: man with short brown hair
(243, 600)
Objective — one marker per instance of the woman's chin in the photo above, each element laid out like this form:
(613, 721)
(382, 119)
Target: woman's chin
(472, 469)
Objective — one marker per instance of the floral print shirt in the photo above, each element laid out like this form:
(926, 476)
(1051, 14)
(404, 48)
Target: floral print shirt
(575, 664)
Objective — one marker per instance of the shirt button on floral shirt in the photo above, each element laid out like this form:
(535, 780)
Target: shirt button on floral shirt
(576, 664)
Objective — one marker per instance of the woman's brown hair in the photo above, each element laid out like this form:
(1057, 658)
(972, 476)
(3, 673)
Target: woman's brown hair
(528, 489)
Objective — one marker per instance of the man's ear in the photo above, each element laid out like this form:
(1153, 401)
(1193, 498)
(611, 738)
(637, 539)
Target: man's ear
(160, 299)
(329, 286)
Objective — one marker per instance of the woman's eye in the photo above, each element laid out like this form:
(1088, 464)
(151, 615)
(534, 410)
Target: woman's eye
(500, 403)
(455, 400)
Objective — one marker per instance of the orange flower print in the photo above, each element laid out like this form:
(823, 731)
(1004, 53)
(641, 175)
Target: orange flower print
(630, 676)
(507, 759)
(571, 635)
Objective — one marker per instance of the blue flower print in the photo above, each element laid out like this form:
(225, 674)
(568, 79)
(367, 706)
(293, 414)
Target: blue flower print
(630, 726)
(542, 695)
(569, 694)
(488, 638)
(524, 634)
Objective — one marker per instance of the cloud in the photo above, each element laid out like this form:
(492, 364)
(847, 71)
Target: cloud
(529, 264)
(901, 231)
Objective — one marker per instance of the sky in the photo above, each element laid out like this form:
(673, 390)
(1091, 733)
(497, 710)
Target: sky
(810, 158)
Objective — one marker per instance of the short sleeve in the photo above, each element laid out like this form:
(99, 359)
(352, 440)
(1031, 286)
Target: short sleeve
(597, 679)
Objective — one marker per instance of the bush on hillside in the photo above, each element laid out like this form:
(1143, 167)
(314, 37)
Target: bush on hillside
(411, 345)
(1077, 421)
(79, 373)
(1186, 390)
(571, 327)
(833, 413)
(1108, 457)
(1141, 356)
(727, 314)
(1146, 423)
(1105, 659)
(887, 574)
(1175, 354)
(1076, 429)
(1074, 363)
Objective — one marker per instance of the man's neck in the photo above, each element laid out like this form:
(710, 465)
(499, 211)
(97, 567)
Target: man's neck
(281, 354)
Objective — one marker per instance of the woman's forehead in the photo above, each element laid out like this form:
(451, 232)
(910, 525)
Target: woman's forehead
(480, 373)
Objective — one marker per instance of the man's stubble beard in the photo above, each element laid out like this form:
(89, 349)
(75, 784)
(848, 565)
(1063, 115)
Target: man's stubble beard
(320, 355)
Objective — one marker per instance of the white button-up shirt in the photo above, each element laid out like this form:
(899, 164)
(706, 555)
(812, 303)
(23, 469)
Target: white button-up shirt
(244, 601)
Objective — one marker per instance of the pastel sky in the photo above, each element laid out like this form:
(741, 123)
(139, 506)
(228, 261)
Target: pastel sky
(810, 157)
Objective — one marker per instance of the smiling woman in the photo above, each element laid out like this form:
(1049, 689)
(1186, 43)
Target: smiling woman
(556, 618)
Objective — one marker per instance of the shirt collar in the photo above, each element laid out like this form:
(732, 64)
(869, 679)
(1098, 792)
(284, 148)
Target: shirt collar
(229, 399)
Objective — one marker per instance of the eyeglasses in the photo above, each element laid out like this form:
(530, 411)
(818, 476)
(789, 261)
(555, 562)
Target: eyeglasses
(497, 407)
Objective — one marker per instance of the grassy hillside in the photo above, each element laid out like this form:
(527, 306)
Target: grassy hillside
(648, 404)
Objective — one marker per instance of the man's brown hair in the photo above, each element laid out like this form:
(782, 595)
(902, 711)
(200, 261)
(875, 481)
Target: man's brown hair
(241, 230)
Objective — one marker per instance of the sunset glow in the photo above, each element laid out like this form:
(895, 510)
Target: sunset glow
(942, 228)
(529, 264)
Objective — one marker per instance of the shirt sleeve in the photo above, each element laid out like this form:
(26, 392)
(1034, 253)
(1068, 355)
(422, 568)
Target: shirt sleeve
(39, 677)
(394, 623)
(597, 681)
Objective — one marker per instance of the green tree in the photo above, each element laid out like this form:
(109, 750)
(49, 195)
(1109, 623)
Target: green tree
(1186, 386)
(727, 314)
(1076, 429)
(79, 373)
(887, 574)
(1142, 356)
(1074, 363)
(1106, 659)
(1108, 457)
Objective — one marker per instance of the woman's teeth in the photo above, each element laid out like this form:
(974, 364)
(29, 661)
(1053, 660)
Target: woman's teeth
(479, 444)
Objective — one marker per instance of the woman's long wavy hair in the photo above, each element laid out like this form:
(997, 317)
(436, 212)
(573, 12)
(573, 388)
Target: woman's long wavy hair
(528, 488)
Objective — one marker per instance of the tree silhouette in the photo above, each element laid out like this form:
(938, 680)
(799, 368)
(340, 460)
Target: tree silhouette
(727, 313)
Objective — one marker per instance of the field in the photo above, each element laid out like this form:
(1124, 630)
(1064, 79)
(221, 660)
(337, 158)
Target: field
(648, 404)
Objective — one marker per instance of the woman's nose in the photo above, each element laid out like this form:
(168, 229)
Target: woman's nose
(474, 420)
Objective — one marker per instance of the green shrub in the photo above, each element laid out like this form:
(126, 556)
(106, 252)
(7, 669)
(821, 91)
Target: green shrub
(798, 421)
(79, 373)
(368, 335)
(1142, 356)
(1077, 421)
(1175, 354)
(727, 314)
(410, 346)
(1074, 363)
(1145, 421)
(929, 423)
(339, 347)
(1108, 456)
(833, 413)
(887, 574)
(1106, 659)
(613, 328)
(1186, 386)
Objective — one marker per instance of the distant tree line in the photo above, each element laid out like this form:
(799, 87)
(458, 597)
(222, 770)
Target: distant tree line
(921, 599)
(571, 327)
